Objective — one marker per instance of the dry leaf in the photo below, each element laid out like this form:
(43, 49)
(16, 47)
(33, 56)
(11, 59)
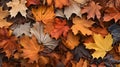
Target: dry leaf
(92, 10)
(81, 25)
(3, 21)
(101, 45)
(30, 48)
(32, 2)
(112, 13)
(72, 41)
(43, 38)
(81, 1)
(20, 29)
(72, 8)
(60, 28)
(61, 3)
(44, 14)
(17, 6)
(8, 42)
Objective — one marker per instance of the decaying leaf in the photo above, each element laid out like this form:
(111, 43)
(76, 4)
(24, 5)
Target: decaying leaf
(43, 38)
(20, 29)
(31, 48)
(32, 2)
(92, 10)
(4, 14)
(111, 13)
(60, 28)
(44, 14)
(72, 8)
(81, 1)
(17, 6)
(8, 42)
(81, 25)
(101, 45)
(72, 41)
(61, 3)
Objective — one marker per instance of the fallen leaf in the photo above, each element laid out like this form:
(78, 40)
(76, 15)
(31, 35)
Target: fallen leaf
(8, 42)
(16, 7)
(81, 52)
(3, 14)
(20, 29)
(92, 10)
(72, 8)
(60, 28)
(32, 2)
(59, 13)
(101, 45)
(44, 14)
(30, 48)
(81, 25)
(81, 1)
(98, 30)
(111, 13)
(43, 38)
(72, 41)
(61, 3)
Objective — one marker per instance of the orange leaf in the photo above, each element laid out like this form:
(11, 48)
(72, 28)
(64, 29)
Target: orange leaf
(82, 25)
(32, 2)
(30, 48)
(61, 3)
(60, 28)
(92, 9)
(112, 13)
(72, 41)
(8, 42)
(44, 14)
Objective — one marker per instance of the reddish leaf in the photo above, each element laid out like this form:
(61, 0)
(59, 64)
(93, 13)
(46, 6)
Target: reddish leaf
(32, 2)
(60, 28)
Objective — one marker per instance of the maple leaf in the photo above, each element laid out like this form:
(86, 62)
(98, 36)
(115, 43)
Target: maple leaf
(44, 14)
(20, 29)
(31, 48)
(72, 8)
(101, 45)
(81, 25)
(4, 14)
(111, 13)
(92, 9)
(61, 3)
(43, 38)
(72, 41)
(59, 13)
(17, 6)
(8, 42)
(32, 2)
(60, 28)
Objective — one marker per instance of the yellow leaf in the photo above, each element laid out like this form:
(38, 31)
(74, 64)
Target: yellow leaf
(81, 25)
(44, 14)
(72, 41)
(30, 48)
(101, 45)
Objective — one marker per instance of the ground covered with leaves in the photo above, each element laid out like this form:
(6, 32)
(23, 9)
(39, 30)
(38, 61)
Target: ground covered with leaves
(59, 33)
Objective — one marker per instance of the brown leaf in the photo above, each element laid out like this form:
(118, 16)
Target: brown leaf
(8, 42)
(69, 56)
(31, 48)
(60, 28)
(72, 41)
(32, 2)
(92, 10)
(61, 3)
(111, 13)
